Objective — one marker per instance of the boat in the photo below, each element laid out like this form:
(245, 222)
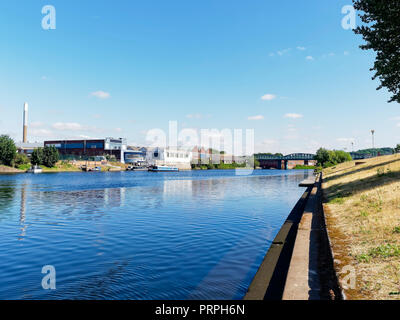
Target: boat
(163, 169)
(136, 168)
(35, 169)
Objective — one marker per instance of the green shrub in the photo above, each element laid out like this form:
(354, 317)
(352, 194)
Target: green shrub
(329, 158)
(21, 160)
(8, 150)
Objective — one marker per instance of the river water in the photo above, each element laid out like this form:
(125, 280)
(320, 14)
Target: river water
(140, 235)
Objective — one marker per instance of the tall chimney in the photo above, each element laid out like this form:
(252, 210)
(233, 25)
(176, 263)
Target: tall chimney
(25, 134)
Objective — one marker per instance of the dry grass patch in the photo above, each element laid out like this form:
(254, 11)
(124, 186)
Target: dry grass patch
(362, 207)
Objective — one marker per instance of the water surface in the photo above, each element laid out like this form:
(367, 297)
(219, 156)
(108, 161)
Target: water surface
(140, 235)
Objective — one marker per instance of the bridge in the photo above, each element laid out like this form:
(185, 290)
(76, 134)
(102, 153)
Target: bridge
(285, 162)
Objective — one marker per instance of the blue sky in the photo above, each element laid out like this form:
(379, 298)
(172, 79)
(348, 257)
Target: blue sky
(121, 68)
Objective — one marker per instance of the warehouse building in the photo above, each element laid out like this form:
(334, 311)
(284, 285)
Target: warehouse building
(90, 148)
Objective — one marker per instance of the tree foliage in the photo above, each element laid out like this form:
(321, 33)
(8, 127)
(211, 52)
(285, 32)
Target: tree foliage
(381, 33)
(21, 159)
(50, 156)
(397, 148)
(328, 158)
(8, 150)
(37, 156)
(47, 156)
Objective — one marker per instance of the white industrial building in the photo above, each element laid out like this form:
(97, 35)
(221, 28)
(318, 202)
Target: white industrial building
(169, 156)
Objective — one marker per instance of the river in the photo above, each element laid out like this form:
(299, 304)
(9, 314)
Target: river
(140, 235)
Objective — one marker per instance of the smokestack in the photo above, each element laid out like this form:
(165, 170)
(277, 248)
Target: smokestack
(25, 134)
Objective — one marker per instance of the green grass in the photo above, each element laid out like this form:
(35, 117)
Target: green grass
(300, 167)
(24, 167)
(396, 229)
(337, 200)
(383, 251)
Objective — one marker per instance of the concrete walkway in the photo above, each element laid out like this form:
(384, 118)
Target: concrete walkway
(303, 281)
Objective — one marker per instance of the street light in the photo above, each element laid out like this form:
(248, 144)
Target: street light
(373, 141)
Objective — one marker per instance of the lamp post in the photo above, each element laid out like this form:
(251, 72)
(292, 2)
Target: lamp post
(373, 139)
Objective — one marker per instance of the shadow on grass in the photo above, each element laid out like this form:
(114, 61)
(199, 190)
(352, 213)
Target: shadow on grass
(338, 193)
(338, 176)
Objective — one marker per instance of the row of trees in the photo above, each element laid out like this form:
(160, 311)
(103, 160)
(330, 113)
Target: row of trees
(47, 156)
(328, 158)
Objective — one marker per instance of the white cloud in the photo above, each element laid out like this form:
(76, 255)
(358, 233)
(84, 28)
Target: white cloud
(283, 52)
(40, 132)
(75, 127)
(268, 97)
(194, 116)
(258, 117)
(293, 115)
(301, 48)
(398, 124)
(36, 124)
(345, 140)
(118, 130)
(67, 126)
(310, 58)
(101, 94)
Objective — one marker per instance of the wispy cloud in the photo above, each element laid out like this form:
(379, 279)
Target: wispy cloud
(258, 117)
(268, 97)
(194, 116)
(41, 132)
(36, 124)
(101, 94)
(280, 52)
(74, 127)
(67, 126)
(345, 140)
(310, 58)
(283, 52)
(301, 48)
(293, 115)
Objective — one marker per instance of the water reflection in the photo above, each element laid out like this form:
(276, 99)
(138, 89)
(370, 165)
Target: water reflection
(195, 235)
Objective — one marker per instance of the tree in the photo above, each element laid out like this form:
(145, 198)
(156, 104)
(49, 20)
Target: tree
(328, 158)
(322, 156)
(8, 150)
(37, 156)
(50, 156)
(20, 159)
(382, 34)
(397, 149)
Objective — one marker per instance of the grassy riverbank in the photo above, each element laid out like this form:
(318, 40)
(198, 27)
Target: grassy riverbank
(362, 208)
(6, 169)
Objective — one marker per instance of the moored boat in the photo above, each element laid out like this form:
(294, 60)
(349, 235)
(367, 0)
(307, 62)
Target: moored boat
(35, 169)
(163, 169)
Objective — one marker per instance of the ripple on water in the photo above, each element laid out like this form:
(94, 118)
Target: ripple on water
(191, 235)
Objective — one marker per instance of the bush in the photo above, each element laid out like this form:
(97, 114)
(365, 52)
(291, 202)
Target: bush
(21, 160)
(50, 156)
(47, 156)
(37, 156)
(329, 158)
(8, 150)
